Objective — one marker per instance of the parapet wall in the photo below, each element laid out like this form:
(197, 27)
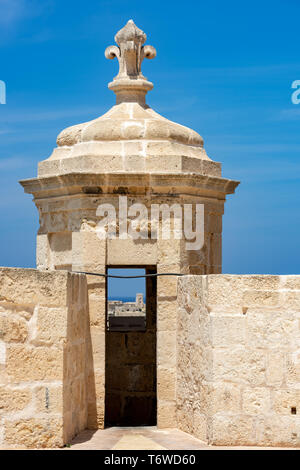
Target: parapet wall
(43, 319)
(238, 357)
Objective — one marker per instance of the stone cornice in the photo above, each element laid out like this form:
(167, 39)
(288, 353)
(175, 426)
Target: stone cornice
(129, 183)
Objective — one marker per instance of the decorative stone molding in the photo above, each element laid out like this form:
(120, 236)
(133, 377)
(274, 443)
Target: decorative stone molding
(130, 84)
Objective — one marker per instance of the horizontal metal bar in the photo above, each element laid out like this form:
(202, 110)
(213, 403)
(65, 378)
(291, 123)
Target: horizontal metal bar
(128, 277)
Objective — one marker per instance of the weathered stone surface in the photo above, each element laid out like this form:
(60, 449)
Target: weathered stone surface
(131, 252)
(49, 326)
(35, 433)
(222, 398)
(279, 431)
(234, 430)
(166, 344)
(12, 330)
(244, 386)
(256, 401)
(239, 364)
(166, 383)
(285, 400)
(166, 414)
(276, 368)
(43, 320)
(228, 330)
(29, 287)
(29, 363)
(49, 399)
(14, 399)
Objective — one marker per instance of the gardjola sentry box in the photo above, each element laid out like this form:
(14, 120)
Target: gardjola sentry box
(130, 151)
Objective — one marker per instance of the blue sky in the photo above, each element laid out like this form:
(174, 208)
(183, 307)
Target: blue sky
(224, 69)
(126, 288)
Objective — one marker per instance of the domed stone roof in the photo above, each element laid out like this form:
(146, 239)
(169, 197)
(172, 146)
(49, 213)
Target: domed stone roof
(130, 136)
(129, 121)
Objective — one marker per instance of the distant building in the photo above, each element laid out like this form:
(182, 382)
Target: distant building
(117, 308)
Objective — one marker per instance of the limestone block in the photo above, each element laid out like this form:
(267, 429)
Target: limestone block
(196, 258)
(218, 297)
(49, 399)
(166, 349)
(167, 285)
(42, 251)
(28, 287)
(211, 168)
(90, 150)
(285, 400)
(192, 165)
(96, 380)
(131, 252)
(134, 162)
(169, 251)
(159, 163)
(133, 148)
(88, 251)
(98, 345)
(278, 431)
(184, 417)
(13, 330)
(291, 299)
(191, 293)
(97, 308)
(291, 282)
(49, 326)
(221, 397)
(111, 161)
(293, 369)
(35, 433)
(166, 414)
(228, 331)
(166, 315)
(60, 242)
(275, 371)
(14, 399)
(166, 384)
(60, 249)
(214, 223)
(200, 425)
(261, 282)
(28, 363)
(2, 353)
(256, 401)
(239, 365)
(15, 310)
(95, 415)
(215, 250)
(237, 430)
(49, 167)
(270, 328)
(56, 222)
(261, 298)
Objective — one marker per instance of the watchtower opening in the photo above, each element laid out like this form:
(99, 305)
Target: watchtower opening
(130, 360)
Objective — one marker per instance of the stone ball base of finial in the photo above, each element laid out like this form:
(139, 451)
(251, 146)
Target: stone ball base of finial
(130, 91)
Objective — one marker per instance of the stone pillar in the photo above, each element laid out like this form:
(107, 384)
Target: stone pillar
(89, 255)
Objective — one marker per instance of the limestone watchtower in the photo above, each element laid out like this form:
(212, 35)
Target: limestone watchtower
(132, 152)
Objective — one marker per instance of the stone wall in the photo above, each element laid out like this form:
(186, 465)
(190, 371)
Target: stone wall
(43, 319)
(238, 359)
(67, 239)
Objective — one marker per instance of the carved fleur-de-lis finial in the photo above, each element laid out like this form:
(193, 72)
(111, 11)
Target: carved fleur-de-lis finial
(130, 84)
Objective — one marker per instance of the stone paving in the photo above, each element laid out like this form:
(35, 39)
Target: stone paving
(143, 438)
(140, 438)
